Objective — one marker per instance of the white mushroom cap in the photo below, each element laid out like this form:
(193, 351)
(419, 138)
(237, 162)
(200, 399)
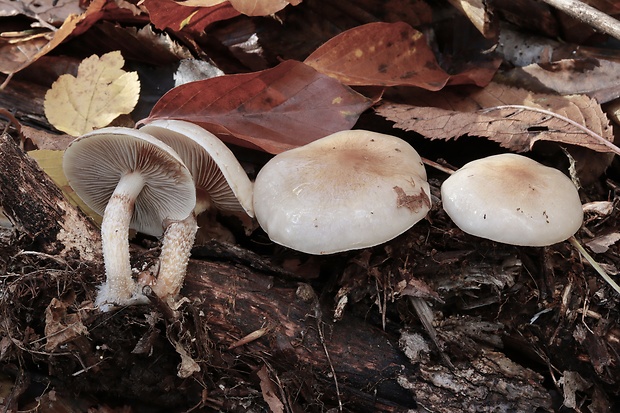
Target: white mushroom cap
(513, 199)
(218, 175)
(350, 190)
(95, 162)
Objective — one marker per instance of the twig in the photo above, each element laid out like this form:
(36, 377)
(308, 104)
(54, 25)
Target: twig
(599, 138)
(318, 315)
(255, 335)
(425, 314)
(589, 15)
(438, 166)
(594, 264)
(54, 258)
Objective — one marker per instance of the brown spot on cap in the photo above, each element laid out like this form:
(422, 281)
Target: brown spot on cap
(411, 202)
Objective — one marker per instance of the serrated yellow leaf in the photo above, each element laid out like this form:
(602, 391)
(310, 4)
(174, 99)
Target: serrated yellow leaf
(51, 163)
(100, 93)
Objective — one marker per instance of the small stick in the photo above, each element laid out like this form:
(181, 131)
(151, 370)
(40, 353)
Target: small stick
(438, 166)
(594, 264)
(589, 15)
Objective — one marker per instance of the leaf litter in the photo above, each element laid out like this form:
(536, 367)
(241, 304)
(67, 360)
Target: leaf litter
(274, 110)
(515, 118)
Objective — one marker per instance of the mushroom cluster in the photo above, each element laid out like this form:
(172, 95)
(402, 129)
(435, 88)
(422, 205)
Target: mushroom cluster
(349, 190)
(154, 180)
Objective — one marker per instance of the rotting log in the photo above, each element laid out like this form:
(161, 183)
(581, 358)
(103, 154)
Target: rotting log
(39, 210)
(244, 337)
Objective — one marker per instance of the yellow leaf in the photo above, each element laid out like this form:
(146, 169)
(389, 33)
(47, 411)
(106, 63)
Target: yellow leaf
(51, 162)
(100, 93)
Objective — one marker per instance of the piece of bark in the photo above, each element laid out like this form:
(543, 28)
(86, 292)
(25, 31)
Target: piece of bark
(38, 209)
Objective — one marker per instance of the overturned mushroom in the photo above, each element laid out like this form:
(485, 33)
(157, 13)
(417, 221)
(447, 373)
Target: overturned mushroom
(133, 180)
(220, 180)
(349, 190)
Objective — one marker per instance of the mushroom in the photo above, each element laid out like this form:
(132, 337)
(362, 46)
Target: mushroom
(513, 199)
(221, 183)
(133, 180)
(349, 190)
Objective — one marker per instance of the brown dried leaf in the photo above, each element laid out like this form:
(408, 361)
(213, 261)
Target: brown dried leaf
(269, 391)
(380, 54)
(50, 11)
(188, 365)
(515, 118)
(168, 14)
(61, 327)
(17, 56)
(597, 78)
(143, 44)
(601, 243)
(274, 109)
(261, 7)
(477, 11)
(247, 7)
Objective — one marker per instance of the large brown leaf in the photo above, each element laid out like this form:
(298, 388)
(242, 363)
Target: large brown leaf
(247, 7)
(391, 54)
(168, 14)
(515, 118)
(383, 54)
(274, 109)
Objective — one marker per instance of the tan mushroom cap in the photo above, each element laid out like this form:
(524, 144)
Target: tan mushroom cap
(350, 190)
(513, 199)
(218, 175)
(95, 162)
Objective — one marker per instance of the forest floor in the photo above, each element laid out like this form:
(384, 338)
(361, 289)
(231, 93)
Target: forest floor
(434, 320)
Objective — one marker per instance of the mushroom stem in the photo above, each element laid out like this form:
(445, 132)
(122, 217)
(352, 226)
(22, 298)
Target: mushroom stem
(119, 286)
(175, 252)
(594, 264)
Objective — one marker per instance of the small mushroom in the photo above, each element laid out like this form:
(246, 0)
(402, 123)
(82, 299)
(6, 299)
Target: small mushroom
(221, 183)
(513, 199)
(349, 190)
(133, 180)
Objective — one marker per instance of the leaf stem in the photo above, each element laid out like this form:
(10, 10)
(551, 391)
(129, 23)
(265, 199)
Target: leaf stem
(438, 166)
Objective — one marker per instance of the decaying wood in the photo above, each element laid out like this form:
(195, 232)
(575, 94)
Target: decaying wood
(39, 210)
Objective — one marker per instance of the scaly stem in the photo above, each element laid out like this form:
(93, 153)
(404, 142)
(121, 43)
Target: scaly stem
(175, 251)
(594, 264)
(119, 286)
